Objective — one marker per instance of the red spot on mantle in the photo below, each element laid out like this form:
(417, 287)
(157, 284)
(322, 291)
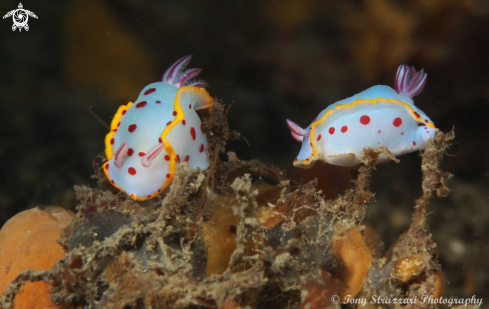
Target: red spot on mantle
(151, 90)
(365, 120)
(397, 122)
(141, 104)
(132, 127)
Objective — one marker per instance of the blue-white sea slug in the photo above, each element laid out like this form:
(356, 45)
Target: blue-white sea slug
(161, 128)
(378, 116)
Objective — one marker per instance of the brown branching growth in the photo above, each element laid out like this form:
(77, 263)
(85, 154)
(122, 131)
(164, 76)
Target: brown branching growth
(227, 109)
(351, 207)
(415, 252)
(204, 200)
(217, 239)
(8, 297)
(179, 191)
(371, 156)
(248, 225)
(192, 229)
(227, 172)
(216, 127)
(434, 180)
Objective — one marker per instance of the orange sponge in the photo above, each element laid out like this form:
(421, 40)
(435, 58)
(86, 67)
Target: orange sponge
(353, 250)
(219, 235)
(28, 240)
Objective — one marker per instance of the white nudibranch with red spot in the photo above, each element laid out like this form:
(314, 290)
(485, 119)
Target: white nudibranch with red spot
(160, 129)
(378, 116)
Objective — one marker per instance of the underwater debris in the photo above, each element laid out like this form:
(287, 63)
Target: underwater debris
(258, 243)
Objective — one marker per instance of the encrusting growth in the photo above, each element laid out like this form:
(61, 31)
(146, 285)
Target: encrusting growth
(232, 240)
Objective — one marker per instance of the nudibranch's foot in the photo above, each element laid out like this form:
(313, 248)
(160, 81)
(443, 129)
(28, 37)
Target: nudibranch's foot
(370, 156)
(345, 160)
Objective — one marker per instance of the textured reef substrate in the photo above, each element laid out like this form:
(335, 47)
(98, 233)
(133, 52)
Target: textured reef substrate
(240, 235)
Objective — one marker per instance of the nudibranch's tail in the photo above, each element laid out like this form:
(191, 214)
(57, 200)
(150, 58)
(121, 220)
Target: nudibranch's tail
(408, 81)
(295, 130)
(176, 75)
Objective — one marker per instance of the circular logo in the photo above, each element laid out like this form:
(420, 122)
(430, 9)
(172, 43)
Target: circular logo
(335, 299)
(20, 18)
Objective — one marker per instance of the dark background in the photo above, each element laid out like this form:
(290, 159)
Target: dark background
(276, 60)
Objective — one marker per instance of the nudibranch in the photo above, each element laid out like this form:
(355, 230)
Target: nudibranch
(378, 116)
(161, 128)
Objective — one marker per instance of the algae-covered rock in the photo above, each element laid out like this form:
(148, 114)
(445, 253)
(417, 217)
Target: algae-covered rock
(240, 235)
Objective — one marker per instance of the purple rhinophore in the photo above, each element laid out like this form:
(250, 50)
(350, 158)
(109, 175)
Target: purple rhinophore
(408, 81)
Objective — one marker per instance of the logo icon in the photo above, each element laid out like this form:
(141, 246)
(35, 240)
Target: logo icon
(20, 18)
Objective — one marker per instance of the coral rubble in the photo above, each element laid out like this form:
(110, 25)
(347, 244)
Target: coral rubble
(240, 235)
